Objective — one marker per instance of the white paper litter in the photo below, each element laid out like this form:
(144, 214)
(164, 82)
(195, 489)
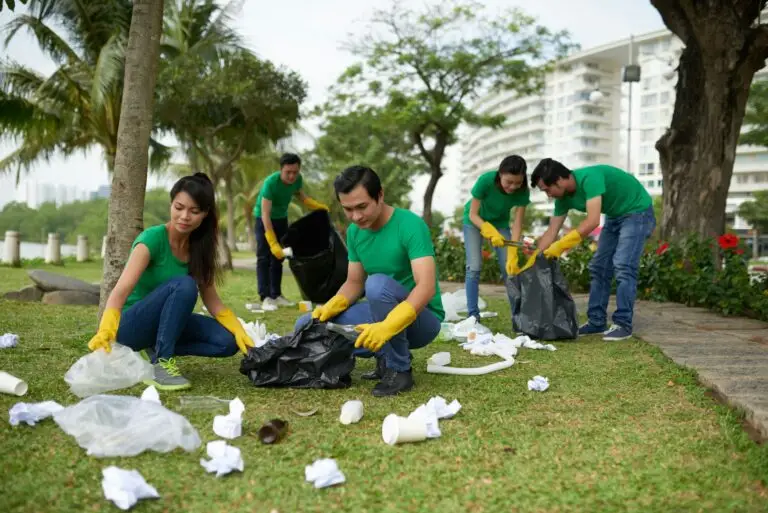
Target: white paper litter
(231, 425)
(31, 413)
(503, 346)
(126, 487)
(9, 340)
(538, 384)
(224, 458)
(433, 411)
(324, 472)
(258, 332)
(151, 394)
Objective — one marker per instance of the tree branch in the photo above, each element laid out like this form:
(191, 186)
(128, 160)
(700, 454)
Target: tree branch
(758, 46)
(424, 152)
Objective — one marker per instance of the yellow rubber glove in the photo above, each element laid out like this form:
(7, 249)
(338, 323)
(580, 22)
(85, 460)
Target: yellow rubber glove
(315, 205)
(490, 232)
(568, 241)
(110, 321)
(331, 308)
(530, 262)
(274, 246)
(512, 260)
(228, 319)
(373, 336)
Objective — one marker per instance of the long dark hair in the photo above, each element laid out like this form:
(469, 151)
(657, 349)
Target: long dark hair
(203, 241)
(513, 165)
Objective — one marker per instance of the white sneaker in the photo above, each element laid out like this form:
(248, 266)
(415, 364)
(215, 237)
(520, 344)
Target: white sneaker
(282, 301)
(269, 305)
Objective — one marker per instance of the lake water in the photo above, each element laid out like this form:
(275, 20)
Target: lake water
(37, 250)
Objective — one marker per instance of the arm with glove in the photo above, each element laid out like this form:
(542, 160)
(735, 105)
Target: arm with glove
(487, 230)
(373, 336)
(226, 318)
(574, 237)
(311, 203)
(269, 231)
(110, 319)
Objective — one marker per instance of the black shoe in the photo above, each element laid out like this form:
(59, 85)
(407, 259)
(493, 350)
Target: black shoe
(393, 383)
(378, 372)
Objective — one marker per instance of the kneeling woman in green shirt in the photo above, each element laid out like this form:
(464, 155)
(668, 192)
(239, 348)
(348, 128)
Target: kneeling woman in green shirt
(151, 306)
(487, 215)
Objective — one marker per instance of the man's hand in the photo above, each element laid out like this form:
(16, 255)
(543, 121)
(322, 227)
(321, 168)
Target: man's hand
(568, 241)
(373, 336)
(274, 246)
(331, 308)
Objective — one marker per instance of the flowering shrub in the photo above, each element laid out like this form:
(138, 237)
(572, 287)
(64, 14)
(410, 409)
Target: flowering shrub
(451, 261)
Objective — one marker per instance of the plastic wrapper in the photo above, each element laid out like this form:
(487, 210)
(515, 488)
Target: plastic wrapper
(99, 371)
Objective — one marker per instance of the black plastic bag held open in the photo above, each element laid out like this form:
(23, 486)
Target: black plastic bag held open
(312, 357)
(319, 261)
(542, 306)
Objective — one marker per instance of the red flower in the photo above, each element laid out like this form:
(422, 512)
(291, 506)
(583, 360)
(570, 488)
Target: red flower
(728, 241)
(739, 251)
(662, 249)
(486, 254)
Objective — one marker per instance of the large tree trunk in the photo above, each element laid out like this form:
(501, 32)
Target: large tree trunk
(429, 192)
(231, 239)
(129, 181)
(722, 53)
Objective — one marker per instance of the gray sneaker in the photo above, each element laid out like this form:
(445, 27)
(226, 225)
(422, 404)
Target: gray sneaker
(168, 376)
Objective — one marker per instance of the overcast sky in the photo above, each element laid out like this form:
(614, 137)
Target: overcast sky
(305, 35)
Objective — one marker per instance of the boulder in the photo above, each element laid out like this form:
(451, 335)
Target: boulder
(49, 282)
(70, 297)
(31, 293)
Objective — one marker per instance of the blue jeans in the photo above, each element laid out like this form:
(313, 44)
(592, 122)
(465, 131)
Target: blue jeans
(473, 246)
(269, 270)
(618, 251)
(382, 294)
(164, 320)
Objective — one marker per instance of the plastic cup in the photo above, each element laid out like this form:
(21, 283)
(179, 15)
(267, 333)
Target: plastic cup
(12, 385)
(398, 430)
(351, 412)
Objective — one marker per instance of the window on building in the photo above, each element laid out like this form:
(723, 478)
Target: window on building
(742, 178)
(649, 100)
(648, 117)
(647, 168)
(664, 98)
(646, 135)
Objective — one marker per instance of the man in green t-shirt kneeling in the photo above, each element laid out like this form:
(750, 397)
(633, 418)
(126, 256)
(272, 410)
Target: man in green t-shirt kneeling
(629, 221)
(392, 262)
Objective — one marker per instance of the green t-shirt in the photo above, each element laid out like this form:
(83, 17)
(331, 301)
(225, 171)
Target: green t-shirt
(390, 250)
(163, 265)
(622, 193)
(495, 204)
(279, 193)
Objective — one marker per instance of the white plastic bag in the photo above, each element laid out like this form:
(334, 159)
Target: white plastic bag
(117, 425)
(455, 303)
(99, 371)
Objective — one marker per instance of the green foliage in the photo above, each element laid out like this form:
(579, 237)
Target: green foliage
(756, 115)
(79, 218)
(451, 260)
(426, 67)
(755, 212)
(11, 4)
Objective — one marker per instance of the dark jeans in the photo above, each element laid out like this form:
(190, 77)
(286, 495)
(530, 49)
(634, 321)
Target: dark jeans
(383, 294)
(164, 320)
(619, 249)
(269, 270)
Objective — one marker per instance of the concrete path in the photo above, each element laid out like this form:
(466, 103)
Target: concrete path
(730, 354)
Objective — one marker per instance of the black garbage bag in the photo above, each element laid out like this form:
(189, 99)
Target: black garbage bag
(312, 357)
(542, 306)
(319, 261)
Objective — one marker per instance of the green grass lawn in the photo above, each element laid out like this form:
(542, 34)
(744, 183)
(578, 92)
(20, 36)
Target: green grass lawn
(620, 429)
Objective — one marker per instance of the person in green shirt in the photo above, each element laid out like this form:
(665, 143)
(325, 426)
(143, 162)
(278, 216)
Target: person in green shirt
(487, 215)
(150, 308)
(392, 263)
(271, 213)
(629, 222)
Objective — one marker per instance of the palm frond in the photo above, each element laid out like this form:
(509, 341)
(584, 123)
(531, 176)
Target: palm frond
(109, 70)
(47, 39)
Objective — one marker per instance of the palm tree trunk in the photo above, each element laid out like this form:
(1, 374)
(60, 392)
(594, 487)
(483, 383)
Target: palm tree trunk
(129, 181)
(231, 241)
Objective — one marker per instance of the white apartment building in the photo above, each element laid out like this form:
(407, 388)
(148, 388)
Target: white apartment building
(571, 123)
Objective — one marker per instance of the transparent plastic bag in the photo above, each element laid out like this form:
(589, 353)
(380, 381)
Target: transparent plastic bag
(118, 425)
(455, 303)
(99, 371)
